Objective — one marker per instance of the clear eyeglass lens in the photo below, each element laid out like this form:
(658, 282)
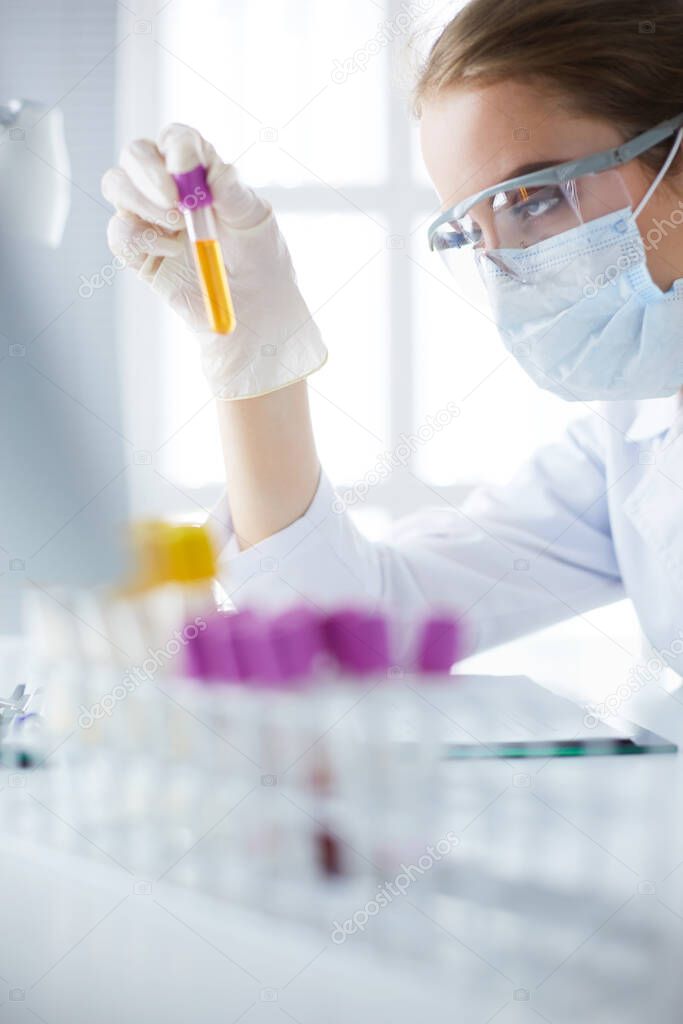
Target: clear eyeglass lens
(528, 216)
(520, 218)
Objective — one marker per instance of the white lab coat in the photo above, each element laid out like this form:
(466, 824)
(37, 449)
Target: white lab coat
(587, 520)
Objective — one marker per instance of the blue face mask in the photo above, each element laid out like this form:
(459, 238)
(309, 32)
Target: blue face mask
(583, 317)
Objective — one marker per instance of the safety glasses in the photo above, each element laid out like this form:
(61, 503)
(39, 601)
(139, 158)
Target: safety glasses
(501, 220)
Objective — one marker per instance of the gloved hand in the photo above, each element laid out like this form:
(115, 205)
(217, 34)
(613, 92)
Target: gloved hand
(276, 341)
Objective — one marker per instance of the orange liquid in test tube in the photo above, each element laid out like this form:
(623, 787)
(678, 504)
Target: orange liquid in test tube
(214, 282)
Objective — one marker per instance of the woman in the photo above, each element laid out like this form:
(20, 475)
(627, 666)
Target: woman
(552, 133)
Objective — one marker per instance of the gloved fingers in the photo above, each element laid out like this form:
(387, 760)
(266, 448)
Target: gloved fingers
(176, 282)
(236, 205)
(145, 166)
(183, 149)
(124, 196)
(133, 240)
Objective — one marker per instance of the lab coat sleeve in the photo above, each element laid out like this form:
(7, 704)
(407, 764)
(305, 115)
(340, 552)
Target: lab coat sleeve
(510, 560)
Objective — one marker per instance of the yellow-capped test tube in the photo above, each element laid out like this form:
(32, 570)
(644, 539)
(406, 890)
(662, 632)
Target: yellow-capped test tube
(167, 552)
(176, 565)
(195, 199)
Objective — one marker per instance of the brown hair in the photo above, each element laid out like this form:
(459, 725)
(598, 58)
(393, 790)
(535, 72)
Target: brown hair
(621, 60)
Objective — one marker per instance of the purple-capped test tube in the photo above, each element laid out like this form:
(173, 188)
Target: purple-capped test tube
(299, 642)
(215, 655)
(438, 648)
(359, 642)
(277, 658)
(410, 819)
(254, 654)
(439, 645)
(223, 750)
(358, 645)
(195, 200)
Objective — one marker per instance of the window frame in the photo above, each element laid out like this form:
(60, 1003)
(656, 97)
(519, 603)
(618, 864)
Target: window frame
(398, 201)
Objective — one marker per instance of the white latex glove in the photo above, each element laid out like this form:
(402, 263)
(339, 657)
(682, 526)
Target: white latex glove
(276, 341)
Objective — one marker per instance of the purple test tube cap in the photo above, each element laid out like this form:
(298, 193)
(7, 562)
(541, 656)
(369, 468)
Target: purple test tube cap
(359, 641)
(209, 656)
(254, 651)
(220, 660)
(193, 188)
(195, 658)
(298, 641)
(438, 645)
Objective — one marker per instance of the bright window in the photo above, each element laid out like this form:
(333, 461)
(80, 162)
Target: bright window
(305, 101)
(303, 98)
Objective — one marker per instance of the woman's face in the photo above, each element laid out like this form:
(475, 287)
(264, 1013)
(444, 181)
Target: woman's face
(475, 137)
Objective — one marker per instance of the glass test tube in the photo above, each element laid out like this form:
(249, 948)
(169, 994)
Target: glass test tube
(227, 763)
(195, 199)
(358, 643)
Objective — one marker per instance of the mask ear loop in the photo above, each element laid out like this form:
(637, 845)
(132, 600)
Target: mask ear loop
(571, 194)
(667, 164)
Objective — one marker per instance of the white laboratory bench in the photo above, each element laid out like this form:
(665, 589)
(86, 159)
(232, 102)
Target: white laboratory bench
(562, 903)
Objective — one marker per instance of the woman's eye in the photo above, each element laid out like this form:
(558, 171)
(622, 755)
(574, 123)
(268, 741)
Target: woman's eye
(537, 205)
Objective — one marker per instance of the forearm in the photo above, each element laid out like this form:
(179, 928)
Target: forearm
(271, 465)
